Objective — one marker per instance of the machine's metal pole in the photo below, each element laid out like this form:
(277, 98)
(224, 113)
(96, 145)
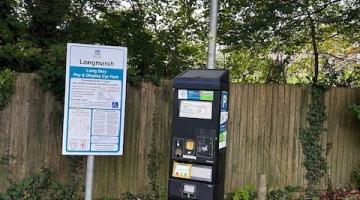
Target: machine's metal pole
(212, 34)
(89, 177)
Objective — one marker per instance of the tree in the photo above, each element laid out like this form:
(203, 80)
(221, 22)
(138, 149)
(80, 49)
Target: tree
(127, 28)
(44, 19)
(287, 26)
(180, 34)
(15, 52)
(10, 27)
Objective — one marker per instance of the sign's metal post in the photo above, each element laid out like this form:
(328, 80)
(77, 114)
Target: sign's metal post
(89, 173)
(212, 34)
(90, 161)
(89, 177)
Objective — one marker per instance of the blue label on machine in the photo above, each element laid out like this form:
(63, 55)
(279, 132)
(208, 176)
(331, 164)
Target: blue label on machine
(224, 101)
(198, 95)
(193, 94)
(223, 119)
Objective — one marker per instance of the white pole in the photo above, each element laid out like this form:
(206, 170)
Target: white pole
(89, 177)
(89, 173)
(212, 34)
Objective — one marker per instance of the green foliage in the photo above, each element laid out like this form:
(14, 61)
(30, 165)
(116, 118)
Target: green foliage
(246, 192)
(356, 110)
(130, 196)
(302, 30)
(247, 66)
(283, 25)
(73, 189)
(314, 161)
(355, 177)
(21, 56)
(162, 37)
(10, 27)
(155, 160)
(39, 186)
(7, 81)
(33, 187)
(52, 72)
(284, 194)
(166, 37)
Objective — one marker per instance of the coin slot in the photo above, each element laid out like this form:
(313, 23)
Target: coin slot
(190, 145)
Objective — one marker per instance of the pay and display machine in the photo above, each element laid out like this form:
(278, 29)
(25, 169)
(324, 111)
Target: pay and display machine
(199, 129)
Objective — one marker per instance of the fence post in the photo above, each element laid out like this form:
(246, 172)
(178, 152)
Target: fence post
(261, 193)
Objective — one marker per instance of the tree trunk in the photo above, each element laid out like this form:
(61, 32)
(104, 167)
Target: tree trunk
(315, 50)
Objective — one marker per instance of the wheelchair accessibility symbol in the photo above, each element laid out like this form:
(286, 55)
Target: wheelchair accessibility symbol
(115, 104)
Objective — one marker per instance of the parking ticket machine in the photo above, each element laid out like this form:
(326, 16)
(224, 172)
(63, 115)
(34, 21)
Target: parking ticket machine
(198, 140)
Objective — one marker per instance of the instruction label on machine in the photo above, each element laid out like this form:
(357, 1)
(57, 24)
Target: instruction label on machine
(196, 104)
(195, 109)
(94, 100)
(223, 119)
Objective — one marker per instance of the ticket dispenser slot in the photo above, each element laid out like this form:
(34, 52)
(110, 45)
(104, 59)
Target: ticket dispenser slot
(189, 191)
(198, 135)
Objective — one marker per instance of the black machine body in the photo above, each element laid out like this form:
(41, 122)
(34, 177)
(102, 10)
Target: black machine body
(198, 140)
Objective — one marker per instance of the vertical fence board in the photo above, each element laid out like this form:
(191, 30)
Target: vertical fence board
(262, 131)
(267, 132)
(337, 143)
(242, 168)
(238, 140)
(254, 134)
(332, 117)
(325, 135)
(230, 167)
(291, 111)
(249, 133)
(272, 136)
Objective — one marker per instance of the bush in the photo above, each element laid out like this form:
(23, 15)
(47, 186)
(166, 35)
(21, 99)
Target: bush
(356, 110)
(41, 185)
(7, 81)
(246, 192)
(340, 193)
(131, 196)
(52, 71)
(355, 177)
(285, 194)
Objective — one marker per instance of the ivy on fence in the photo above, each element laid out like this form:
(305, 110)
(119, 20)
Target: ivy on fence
(7, 81)
(310, 137)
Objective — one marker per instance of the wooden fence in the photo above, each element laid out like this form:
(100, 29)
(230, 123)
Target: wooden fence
(264, 122)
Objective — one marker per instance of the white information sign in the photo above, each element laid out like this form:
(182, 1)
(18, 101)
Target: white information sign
(195, 109)
(94, 100)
